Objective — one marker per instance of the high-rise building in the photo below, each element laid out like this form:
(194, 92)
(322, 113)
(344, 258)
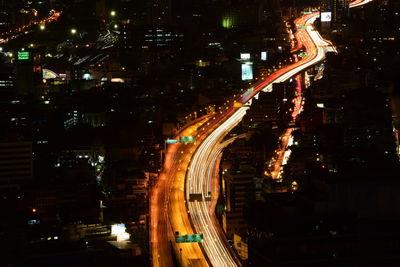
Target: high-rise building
(7, 80)
(72, 118)
(24, 79)
(238, 187)
(339, 9)
(15, 165)
(161, 36)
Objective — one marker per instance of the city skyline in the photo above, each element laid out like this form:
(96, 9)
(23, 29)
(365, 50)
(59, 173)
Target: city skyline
(211, 133)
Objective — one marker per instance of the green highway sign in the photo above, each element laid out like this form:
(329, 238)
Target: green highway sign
(186, 139)
(23, 55)
(196, 238)
(304, 54)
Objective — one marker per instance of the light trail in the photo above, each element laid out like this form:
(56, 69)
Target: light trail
(199, 182)
(199, 176)
(14, 33)
(358, 3)
(167, 210)
(283, 153)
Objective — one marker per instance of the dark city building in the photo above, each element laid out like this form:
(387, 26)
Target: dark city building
(16, 165)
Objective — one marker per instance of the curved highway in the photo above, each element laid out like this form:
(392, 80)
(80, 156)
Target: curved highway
(190, 169)
(167, 206)
(202, 165)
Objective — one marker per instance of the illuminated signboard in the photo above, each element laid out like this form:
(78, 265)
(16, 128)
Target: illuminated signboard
(23, 55)
(264, 55)
(247, 71)
(228, 21)
(196, 238)
(244, 56)
(172, 141)
(326, 16)
(49, 74)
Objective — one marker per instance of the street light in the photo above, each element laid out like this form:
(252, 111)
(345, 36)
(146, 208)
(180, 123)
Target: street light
(42, 27)
(73, 31)
(113, 13)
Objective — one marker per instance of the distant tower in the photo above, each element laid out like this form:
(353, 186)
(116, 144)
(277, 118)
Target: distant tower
(339, 9)
(24, 79)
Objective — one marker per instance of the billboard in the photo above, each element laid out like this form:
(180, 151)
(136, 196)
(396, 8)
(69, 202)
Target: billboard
(264, 55)
(326, 16)
(247, 71)
(244, 56)
(49, 74)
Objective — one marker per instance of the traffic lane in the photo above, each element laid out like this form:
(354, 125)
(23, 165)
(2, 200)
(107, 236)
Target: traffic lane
(159, 229)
